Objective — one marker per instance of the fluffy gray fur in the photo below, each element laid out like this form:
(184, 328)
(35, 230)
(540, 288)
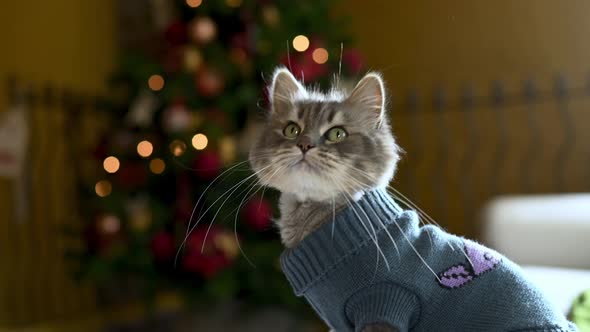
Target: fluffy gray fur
(315, 184)
(317, 177)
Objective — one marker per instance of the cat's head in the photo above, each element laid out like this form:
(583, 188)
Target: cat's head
(317, 146)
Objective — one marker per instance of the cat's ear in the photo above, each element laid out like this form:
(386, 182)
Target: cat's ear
(369, 96)
(283, 88)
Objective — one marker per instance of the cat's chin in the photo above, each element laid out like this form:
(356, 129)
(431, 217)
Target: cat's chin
(314, 196)
(324, 197)
(306, 191)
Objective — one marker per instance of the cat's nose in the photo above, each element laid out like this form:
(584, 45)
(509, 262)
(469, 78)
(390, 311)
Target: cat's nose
(305, 144)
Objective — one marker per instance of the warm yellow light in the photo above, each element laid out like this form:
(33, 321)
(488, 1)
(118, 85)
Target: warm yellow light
(227, 243)
(203, 29)
(192, 58)
(157, 166)
(320, 55)
(156, 82)
(200, 141)
(300, 43)
(194, 3)
(145, 149)
(233, 3)
(177, 147)
(111, 164)
(103, 188)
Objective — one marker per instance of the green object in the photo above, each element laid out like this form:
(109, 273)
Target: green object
(580, 312)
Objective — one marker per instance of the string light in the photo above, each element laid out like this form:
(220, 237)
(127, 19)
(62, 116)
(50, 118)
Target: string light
(300, 43)
(233, 3)
(111, 164)
(271, 16)
(227, 244)
(177, 147)
(156, 82)
(320, 55)
(194, 3)
(103, 188)
(109, 224)
(203, 29)
(145, 148)
(192, 58)
(200, 141)
(157, 166)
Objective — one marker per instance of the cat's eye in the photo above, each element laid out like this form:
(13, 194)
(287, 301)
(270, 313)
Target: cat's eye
(291, 130)
(336, 134)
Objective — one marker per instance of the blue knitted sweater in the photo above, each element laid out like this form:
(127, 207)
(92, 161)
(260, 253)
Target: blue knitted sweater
(466, 286)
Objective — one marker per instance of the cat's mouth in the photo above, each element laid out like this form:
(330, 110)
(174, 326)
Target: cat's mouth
(303, 163)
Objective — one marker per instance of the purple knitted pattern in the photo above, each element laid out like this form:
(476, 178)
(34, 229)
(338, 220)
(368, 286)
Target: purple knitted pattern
(481, 259)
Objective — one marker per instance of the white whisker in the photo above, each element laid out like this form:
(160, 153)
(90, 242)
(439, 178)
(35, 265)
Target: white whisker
(219, 198)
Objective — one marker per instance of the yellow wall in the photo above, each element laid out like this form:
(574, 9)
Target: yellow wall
(71, 44)
(421, 43)
(429, 43)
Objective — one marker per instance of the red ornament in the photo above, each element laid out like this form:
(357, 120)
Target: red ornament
(218, 117)
(243, 40)
(183, 206)
(174, 60)
(131, 175)
(209, 82)
(207, 165)
(353, 60)
(207, 260)
(257, 213)
(162, 246)
(176, 33)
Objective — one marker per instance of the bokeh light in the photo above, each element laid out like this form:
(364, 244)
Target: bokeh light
(233, 3)
(320, 55)
(203, 29)
(200, 141)
(192, 58)
(109, 224)
(271, 15)
(300, 43)
(111, 164)
(103, 188)
(177, 147)
(194, 3)
(157, 166)
(227, 149)
(156, 82)
(145, 148)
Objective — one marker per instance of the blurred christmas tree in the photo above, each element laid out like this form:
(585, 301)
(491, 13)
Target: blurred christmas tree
(186, 102)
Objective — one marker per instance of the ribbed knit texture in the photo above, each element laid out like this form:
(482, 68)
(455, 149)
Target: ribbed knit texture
(351, 283)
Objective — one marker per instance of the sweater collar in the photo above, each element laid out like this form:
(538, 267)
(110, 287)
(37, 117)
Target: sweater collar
(335, 240)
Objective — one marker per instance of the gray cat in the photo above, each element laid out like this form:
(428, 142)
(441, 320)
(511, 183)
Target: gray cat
(332, 155)
(322, 151)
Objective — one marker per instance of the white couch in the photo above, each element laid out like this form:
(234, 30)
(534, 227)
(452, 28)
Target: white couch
(549, 235)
